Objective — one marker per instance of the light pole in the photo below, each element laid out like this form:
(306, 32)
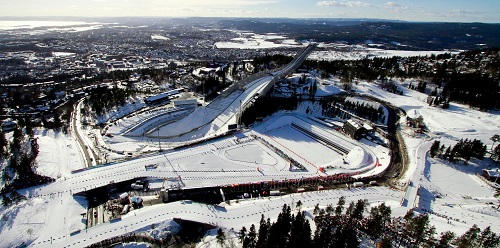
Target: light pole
(239, 117)
(159, 144)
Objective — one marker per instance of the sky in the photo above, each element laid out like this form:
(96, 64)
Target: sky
(408, 10)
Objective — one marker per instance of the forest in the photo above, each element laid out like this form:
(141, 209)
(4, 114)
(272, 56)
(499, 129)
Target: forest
(470, 77)
(20, 170)
(465, 150)
(338, 226)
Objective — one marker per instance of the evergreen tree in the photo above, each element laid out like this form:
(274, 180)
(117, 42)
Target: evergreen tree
(16, 197)
(3, 146)
(316, 209)
(447, 153)
(323, 234)
(17, 138)
(495, 155)
(35, 148)
(435, 148)
(221, 237)
(445, 240)
(6, 201)
(329, 209)
(242, 234)
(495, 138)
(251, 239)
(300, 233)
(298, 205)
(359, 209)
(283, 226)
(441, 150)
(489, 239)
(420, 229)
(468, 239)
(380, 218)
(340, 206)
(263, 233)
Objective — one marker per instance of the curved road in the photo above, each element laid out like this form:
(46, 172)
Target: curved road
(233, 216)
(89, 161)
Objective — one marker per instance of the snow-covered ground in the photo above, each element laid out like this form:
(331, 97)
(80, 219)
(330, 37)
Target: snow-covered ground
(326, 51)
(452, 191)
(249, 40)
(279, 131)
(59, 154)
(336, 51)
(218, 162)
(235, 215)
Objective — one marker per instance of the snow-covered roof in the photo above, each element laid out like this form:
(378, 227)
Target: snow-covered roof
(161, 96)
(354, 123)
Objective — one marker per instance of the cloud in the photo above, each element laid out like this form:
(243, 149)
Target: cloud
(343, 4)
(462, 12)
(396, 6)
(197, 3)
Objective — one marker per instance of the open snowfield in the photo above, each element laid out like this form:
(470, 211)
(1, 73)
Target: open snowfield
(59, 154)
(280, 132)
(456, 192)
(22, 223)
(249, 40)
(458, 179)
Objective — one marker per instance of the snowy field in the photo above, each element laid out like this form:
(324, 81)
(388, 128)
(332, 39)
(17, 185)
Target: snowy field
(59, 154)
(247, 40)
(280, 132)
(454, 123)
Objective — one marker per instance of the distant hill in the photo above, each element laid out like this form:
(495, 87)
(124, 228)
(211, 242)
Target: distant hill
(383, 33)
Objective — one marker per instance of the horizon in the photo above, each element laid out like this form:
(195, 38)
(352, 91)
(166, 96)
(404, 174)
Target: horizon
(487, 11)
(96, 18)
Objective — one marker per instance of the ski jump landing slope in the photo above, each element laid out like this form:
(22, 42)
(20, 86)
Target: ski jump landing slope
(215, 117)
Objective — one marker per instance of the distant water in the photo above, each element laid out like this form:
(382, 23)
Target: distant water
(10, 25)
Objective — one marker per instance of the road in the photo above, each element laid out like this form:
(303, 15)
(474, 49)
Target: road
(75, 118)
(232, 216)
(410, 199)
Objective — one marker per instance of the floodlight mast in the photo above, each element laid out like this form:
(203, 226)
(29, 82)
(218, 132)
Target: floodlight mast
(159, 143)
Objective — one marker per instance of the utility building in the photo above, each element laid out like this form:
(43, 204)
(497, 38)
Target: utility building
(354, 129)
